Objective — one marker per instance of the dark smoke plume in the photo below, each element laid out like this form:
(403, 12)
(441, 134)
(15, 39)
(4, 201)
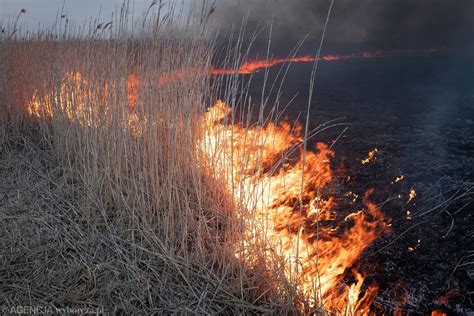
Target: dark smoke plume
(386, 24)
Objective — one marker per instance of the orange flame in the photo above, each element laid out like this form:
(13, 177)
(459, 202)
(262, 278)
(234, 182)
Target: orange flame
(284, 202)
(73, 101)
(132, 91)
(253, 66)
(411, 195)
(371, 156)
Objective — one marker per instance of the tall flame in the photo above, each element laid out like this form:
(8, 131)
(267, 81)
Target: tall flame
(287, 210)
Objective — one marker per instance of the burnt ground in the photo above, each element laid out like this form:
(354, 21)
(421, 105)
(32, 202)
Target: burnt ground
(415, 264)
(419, 113)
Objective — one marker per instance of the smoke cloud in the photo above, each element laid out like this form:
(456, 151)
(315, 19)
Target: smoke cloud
(386, 24)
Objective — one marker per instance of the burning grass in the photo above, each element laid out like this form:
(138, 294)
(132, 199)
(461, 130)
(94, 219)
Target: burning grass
(152, 196)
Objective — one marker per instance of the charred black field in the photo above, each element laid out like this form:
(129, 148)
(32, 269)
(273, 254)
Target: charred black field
(418, 112)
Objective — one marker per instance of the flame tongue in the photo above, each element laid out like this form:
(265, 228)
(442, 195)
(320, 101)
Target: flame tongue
(288, 211)
(253, 66)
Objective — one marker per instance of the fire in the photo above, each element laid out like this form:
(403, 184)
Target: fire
(282, 193)
(398, 179)
(45, 106)
(73, 100)
(253, 66)
(285, 207)
(370, 157)
(413, 248)
(411, 195)
(132, 91)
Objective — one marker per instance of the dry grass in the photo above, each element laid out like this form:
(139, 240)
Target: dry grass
(101, 214)
(54, 254)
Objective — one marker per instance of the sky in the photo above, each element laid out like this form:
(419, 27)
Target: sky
(44, 12)
(412, 24)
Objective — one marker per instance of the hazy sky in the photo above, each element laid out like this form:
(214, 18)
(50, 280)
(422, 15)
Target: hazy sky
(44, 12)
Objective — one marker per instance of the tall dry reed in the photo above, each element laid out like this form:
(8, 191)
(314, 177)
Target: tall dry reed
(134, 186)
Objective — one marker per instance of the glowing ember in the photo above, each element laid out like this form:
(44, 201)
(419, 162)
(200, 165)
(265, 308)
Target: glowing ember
(411, 195)
(370, 157)
(399, 179)
(351, 195)
(413, 248)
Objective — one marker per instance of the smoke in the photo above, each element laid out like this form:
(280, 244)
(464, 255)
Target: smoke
(381, 23)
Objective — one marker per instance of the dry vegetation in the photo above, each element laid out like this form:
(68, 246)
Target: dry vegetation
(107, 203)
